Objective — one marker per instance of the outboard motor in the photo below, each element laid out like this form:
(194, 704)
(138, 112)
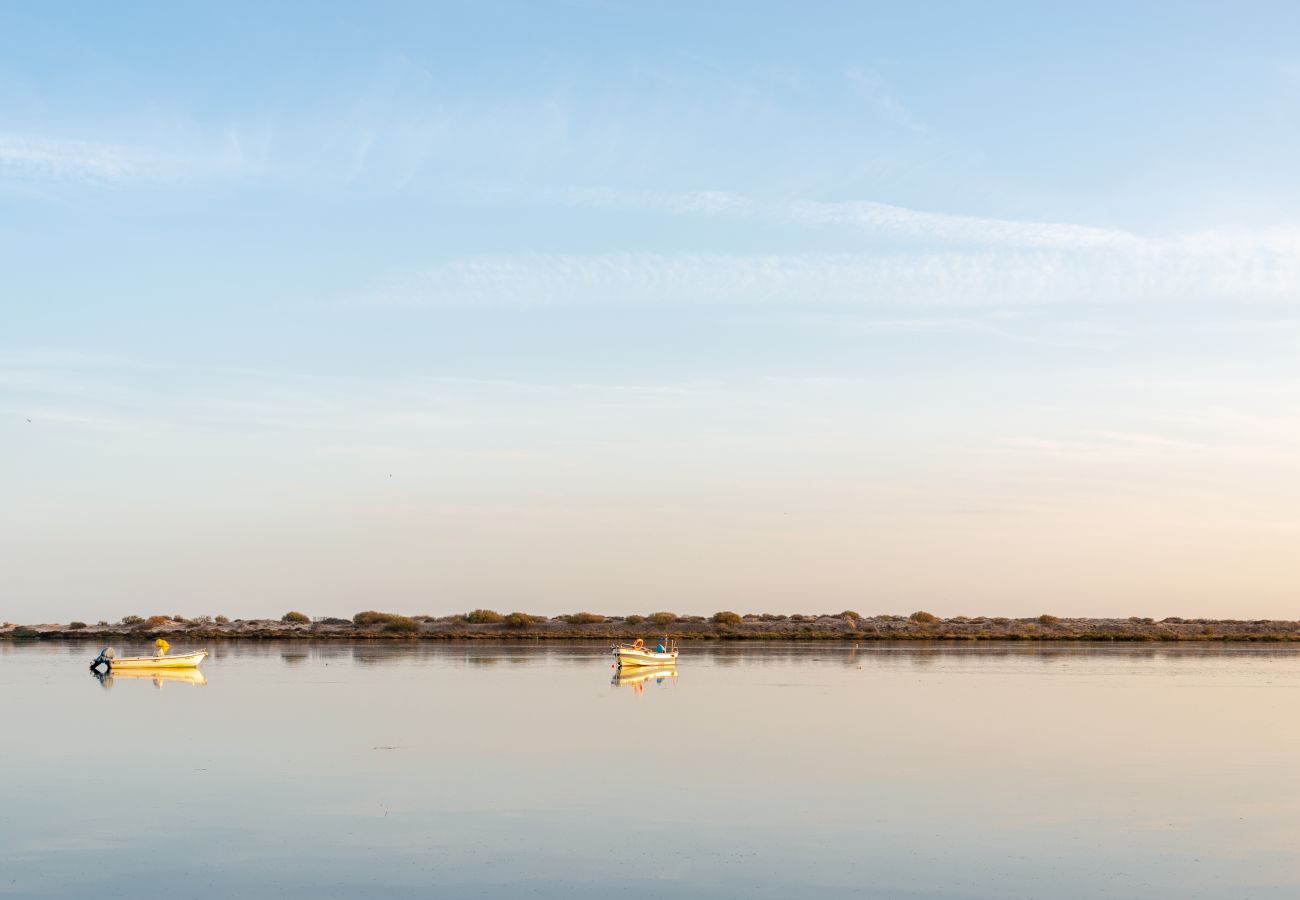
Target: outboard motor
(104, 659)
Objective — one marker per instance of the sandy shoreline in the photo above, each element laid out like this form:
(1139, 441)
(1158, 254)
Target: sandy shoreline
(723, 627)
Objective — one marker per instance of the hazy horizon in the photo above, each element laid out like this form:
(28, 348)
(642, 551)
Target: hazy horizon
(978, 310)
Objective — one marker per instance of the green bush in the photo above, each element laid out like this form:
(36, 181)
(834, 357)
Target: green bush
(371, 617)
(483, 617)
(519, 620)
(401, 624)
(22, 631)
(663, 618)
(76, 626)
(921, 617)
(726, 617)
(584, 618)
(296, 618)
(634, 620)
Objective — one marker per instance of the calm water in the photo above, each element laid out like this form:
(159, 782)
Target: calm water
(760, 771)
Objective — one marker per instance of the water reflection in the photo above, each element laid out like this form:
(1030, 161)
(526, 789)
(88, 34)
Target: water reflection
(157, 676)
(817, 770)
(637, 677)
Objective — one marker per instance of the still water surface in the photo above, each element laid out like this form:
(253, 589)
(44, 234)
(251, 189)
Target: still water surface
(367, 770)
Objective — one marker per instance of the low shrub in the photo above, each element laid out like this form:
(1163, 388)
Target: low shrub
(221, 620)
(921, 617)
(519, 620)
(634, 620)
(155, 621)
(584, 618)
(131, 620)
(22, 631)
(371, 617)
(1045, 619)
(181, 619)
(483, 617)
(850, 614)
(663, 618)
(401, 624)
(296, 618)
(726, 617)
(334, 620)
(102, 624)
(76, 626)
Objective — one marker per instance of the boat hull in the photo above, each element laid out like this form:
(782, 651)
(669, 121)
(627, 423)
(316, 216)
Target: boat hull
(628, 656)
(179, 661)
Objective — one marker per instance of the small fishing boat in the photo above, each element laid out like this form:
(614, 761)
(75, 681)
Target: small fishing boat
(638, 654)
(162, 660)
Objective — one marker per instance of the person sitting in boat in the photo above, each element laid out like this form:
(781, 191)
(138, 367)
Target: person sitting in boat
(162, 646)
(661, 648)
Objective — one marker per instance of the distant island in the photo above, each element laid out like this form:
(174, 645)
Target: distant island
(486, 624)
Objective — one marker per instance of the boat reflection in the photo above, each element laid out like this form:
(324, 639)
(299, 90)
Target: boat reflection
(637, 676)
(157, 676)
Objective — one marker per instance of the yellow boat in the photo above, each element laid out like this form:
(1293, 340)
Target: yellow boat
(161, 661)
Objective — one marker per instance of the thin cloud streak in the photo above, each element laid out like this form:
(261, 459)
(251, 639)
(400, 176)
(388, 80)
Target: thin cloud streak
(35, 157)
(975, 279)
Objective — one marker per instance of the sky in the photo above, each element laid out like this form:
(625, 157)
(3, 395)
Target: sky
(973, 308)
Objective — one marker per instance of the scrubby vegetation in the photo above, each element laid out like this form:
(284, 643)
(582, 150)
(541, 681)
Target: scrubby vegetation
(401, 625)
(520, 620)
(296, 618)
(725, 625)
(583, 618)
(388, 621)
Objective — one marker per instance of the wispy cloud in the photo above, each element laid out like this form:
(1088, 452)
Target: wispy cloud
(975, 278)
(37, 157)
(40, 157)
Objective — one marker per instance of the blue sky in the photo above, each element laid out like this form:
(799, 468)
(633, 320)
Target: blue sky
(977, 308)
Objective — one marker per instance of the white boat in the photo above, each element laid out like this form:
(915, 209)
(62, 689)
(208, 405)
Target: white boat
(161, 661)
(638, 654)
